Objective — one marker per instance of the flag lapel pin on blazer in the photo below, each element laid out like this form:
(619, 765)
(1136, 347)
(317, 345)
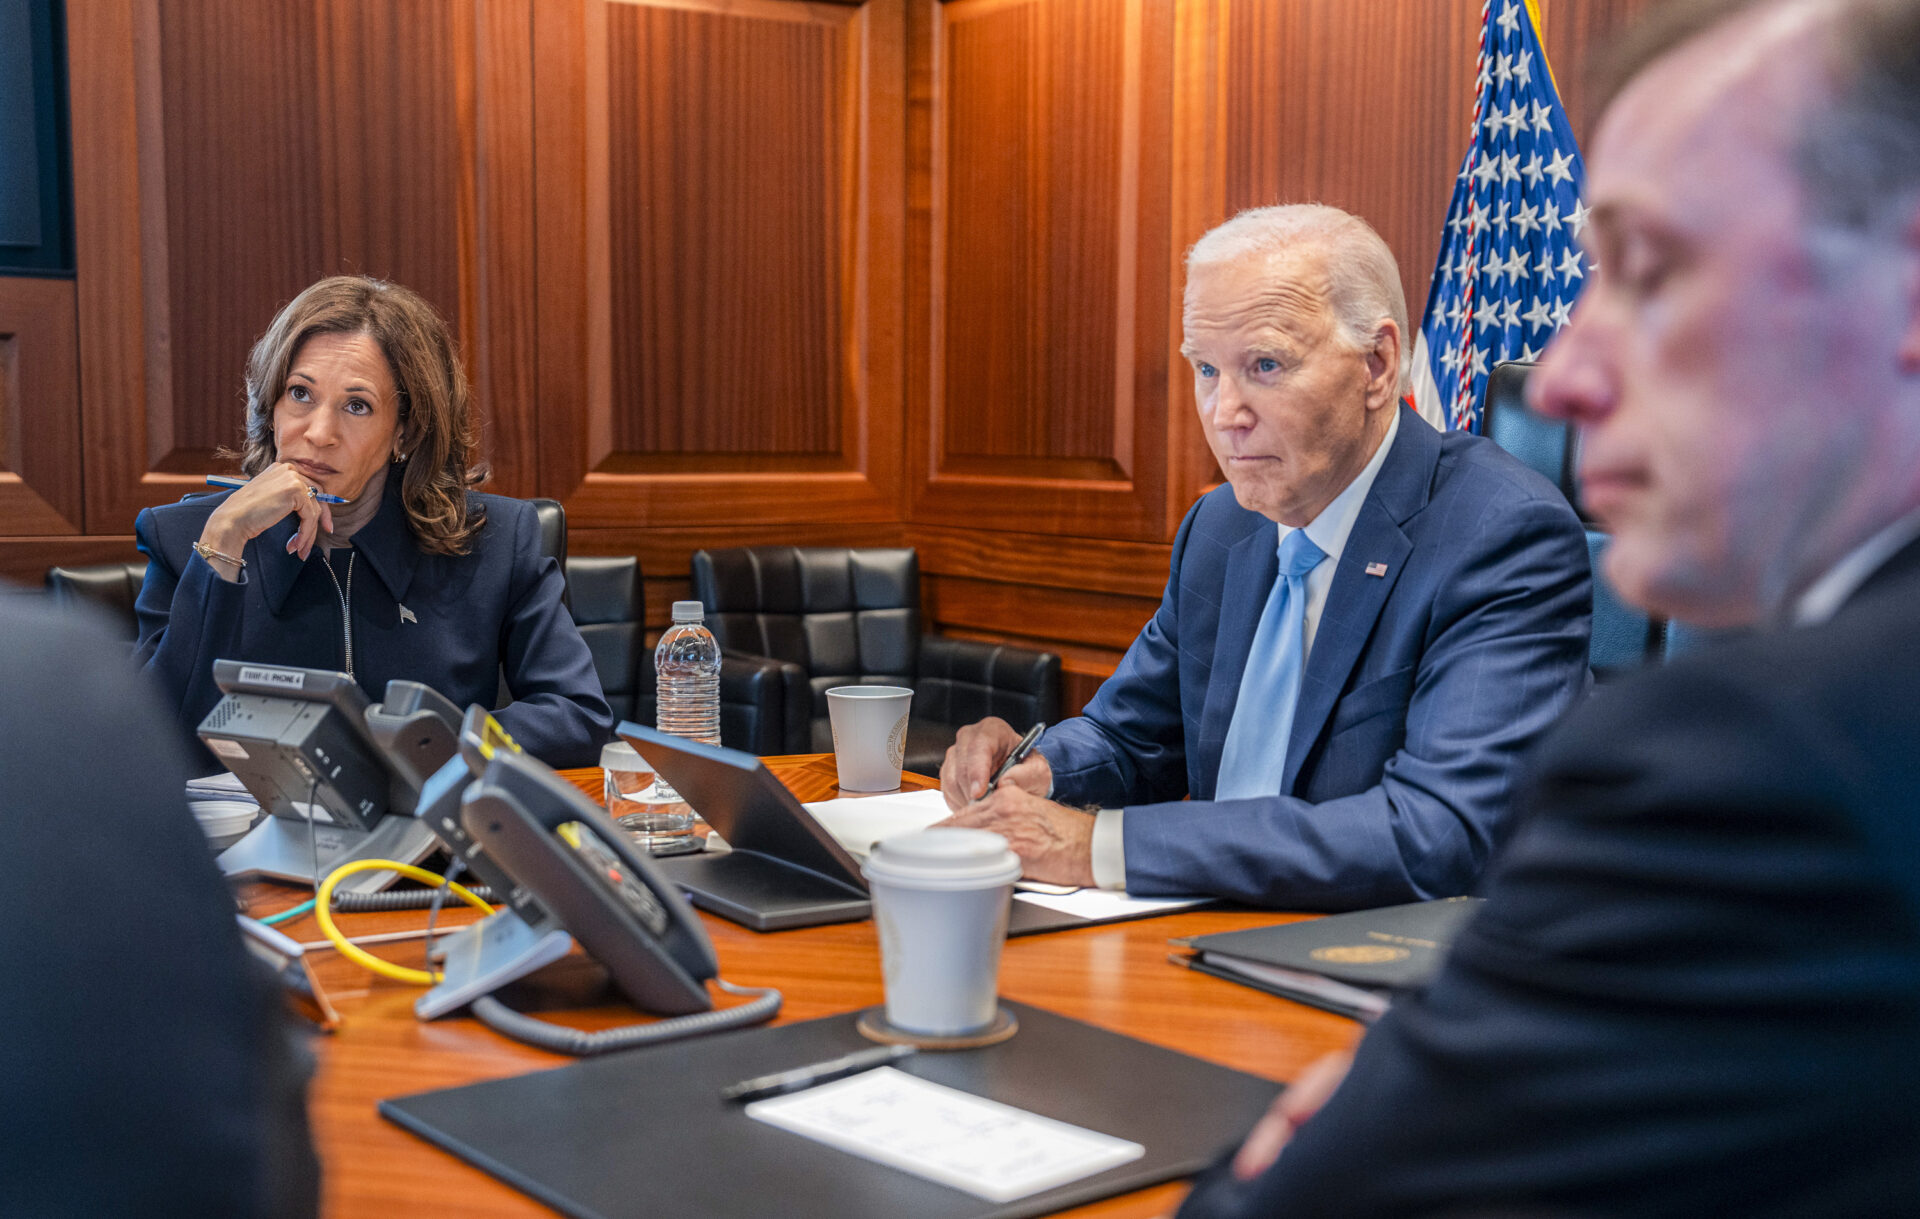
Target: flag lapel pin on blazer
(1376, 569)
(406, 615)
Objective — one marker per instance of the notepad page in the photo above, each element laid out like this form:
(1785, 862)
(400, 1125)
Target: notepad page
(983, 1147)
(857, 822)
(1098, 904)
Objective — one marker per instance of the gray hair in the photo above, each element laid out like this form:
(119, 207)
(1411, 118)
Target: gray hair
(1858, 152)
(1363, 278)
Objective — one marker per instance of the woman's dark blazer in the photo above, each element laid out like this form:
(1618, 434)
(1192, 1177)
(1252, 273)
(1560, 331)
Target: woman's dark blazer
(458, 623)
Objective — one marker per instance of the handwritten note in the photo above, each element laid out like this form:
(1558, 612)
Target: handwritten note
(988, 1149)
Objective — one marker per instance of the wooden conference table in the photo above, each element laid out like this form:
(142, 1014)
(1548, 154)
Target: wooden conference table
(1116, 976)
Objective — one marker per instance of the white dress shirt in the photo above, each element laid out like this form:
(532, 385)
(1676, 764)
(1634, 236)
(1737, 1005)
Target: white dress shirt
(1329, 532)
(1827, 594)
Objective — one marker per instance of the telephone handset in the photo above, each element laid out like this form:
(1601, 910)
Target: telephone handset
(567, 873)
(570, 861)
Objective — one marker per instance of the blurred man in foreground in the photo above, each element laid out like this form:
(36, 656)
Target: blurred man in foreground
(1695, 987)
(147, 1066)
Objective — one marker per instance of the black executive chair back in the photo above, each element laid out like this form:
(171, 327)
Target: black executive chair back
(839, 617)
(553, 538)
(1549, 446)
(609, 606)
(847, 617)
(1624, 638)
(111, 586)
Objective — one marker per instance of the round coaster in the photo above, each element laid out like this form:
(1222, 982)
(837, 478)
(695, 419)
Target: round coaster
(874, 1027)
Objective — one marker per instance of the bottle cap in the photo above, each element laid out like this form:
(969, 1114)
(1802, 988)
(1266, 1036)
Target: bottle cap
(689, 611)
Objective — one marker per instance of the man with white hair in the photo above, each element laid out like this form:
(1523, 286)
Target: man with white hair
(1327, 714)
(1694, 988)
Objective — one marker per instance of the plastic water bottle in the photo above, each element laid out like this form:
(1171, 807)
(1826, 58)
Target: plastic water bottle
(686, 664)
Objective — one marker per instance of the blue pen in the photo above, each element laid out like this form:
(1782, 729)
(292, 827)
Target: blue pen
(234, 480)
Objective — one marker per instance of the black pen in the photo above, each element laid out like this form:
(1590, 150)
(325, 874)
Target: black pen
(782, 1082)
(235, 481)
(1018, 756)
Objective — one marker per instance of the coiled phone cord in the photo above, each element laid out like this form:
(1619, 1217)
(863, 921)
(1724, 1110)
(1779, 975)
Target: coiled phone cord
(560, 1039)
(369, 903)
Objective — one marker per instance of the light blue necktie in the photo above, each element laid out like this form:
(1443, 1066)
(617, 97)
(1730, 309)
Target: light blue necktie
(1255, 757)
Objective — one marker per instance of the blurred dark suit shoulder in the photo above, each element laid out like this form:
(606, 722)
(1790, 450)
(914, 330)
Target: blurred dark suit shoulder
(1695, 987)
(147, 1066)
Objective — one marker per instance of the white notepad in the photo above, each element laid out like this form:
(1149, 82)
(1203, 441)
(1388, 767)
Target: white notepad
(988, 1149)
(1102, 905)
(857, 822)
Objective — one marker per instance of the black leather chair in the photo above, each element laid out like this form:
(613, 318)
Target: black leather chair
(112, 586)
(1549, 446)
(1624, 638)
(609, 606)
(845, 617)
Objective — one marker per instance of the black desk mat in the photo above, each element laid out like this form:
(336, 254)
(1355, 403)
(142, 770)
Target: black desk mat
(646, 1133)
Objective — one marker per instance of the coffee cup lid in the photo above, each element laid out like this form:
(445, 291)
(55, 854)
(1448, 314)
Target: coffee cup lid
(618, 755)
(945, 857)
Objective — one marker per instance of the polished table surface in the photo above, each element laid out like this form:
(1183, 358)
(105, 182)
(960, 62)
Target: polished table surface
(1117, 976)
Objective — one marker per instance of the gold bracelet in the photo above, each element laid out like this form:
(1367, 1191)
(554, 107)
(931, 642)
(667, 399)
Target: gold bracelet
(210, 554)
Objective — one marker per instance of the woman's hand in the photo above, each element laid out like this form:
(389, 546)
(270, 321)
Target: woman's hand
(253, 509)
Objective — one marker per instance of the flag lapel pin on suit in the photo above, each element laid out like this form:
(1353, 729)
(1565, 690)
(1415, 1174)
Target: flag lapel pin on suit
(1376, 569)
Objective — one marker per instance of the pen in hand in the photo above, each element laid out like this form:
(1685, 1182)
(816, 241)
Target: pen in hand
(235, 481)
(1014, 759)
(782, 1082)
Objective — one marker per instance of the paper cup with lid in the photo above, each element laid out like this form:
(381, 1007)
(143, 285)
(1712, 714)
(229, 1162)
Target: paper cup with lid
(940, 901)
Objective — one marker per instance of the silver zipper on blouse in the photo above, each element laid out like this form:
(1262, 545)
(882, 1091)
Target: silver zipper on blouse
(346, 596)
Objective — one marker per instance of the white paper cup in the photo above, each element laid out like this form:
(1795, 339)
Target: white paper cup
(940, 900)
(869, 735)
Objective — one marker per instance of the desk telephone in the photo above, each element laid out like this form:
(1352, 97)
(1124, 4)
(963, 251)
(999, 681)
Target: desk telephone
(565, 872)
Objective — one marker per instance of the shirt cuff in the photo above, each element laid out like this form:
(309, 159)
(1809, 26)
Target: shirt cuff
(1109, 850)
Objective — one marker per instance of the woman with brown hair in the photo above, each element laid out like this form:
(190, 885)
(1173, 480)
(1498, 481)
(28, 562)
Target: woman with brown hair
(360, 443)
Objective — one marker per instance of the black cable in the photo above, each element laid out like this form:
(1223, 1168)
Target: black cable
(455, 865)
(560, 1039)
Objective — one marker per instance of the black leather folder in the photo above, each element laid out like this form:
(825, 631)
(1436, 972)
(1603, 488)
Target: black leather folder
(1366, 954)
(646, 1133)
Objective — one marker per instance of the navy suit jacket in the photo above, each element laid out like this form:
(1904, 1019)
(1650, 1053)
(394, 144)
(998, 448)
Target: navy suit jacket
(1424, 688)
(491, 612)
(1695, 986)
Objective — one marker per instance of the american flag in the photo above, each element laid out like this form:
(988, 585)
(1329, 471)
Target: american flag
(1510, 265)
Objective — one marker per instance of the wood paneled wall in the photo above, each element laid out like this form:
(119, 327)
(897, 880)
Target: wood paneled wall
(731, 271)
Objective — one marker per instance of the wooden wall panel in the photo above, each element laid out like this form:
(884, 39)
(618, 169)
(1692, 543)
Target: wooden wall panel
(1034, 137)
(724, 348)
(1037, 234)
(725, 232)
(1577, 34)
(357, 135)
(1363, 106)
(39, 408)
